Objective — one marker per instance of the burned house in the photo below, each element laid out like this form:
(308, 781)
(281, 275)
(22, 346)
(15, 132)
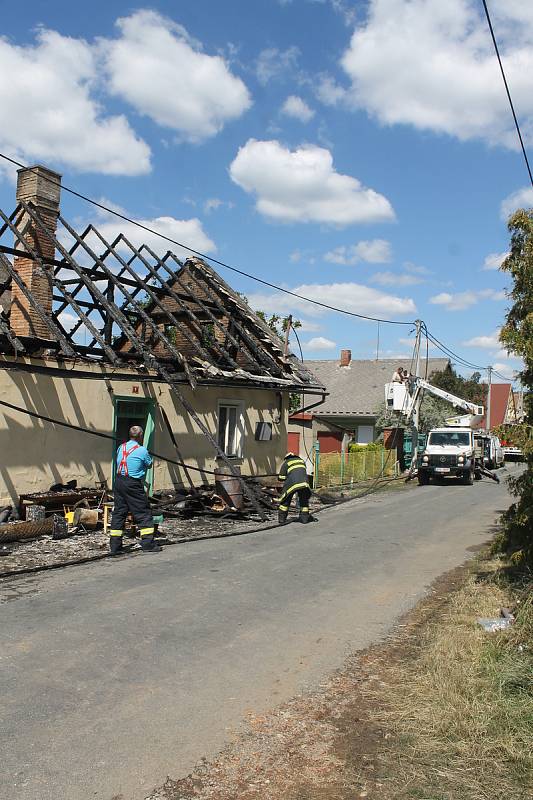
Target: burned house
(100, 335)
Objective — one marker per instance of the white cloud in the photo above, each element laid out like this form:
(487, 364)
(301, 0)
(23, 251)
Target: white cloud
(297, 108)
(416, 270)
(388, 278)
(47, 111)
(214, 203)
(329, 92)
(523, 198)
(303, 186)
(187, 231)
(507, 370)
(309, 327)
(374, 251)
(462, 300)
(273, 64)
(320, 343)
(432, 65)
(494, 261)
(68, 320)
(348, 296)
(485, 342)
(508, 358)
(156, 67)
(346, 11)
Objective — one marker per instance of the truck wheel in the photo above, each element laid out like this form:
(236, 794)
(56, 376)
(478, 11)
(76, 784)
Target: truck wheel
(423, 479)
(468, 478)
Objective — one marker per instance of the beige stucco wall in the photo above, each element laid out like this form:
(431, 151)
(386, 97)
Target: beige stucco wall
(36, 454)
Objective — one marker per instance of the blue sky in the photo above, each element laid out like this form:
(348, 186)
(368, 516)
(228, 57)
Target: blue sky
(361, 153)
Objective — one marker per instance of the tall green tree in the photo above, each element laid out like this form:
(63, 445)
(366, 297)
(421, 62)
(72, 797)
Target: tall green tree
(517, 336)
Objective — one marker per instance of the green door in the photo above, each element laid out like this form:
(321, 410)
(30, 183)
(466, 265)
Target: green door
(130, 411)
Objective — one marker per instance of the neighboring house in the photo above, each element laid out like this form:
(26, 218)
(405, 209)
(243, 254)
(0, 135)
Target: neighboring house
(506, 406)
(356, 391)
(103, 335)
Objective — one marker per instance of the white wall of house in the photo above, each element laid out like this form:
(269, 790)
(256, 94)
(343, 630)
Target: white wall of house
(36, 454)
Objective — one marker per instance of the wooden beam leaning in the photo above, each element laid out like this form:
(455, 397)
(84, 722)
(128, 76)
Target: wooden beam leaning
(122, 320)
(211, 439)
(148, 289)
(56, 283)
(273, 369)
(158, 367)
(171, 293)
(92, 288)
(204, 308)
(262, 331)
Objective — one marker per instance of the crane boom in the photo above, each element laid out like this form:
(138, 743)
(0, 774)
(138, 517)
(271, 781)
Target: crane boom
(406, 397)
(458, 402)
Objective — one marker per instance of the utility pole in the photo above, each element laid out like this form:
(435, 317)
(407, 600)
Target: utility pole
(287, 334)
(487, 421)
(377, 346)
(415, 418)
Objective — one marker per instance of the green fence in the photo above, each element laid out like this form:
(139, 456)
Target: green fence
(347, 469)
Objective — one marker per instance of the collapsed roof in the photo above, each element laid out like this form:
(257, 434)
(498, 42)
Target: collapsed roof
(124, 305)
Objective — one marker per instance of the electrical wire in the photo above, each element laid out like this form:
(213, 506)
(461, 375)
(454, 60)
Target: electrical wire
(114, 212)
(210, 258)
(489, 22)
(450, 353)
(102, 435)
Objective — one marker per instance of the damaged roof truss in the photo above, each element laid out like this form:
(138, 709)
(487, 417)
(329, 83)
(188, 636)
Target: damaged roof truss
(125, 305)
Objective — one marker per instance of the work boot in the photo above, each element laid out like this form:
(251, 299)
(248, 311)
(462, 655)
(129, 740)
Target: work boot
(282, 517)
(305, 517)
(115, 545)
(153, 549)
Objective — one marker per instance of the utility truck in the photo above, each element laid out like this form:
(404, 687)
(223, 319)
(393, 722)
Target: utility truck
(450, 451)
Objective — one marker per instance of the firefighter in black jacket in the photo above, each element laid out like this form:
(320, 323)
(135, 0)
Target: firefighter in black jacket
(294, 477)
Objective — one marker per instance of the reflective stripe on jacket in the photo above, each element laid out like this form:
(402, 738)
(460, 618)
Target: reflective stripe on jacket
(293, 474)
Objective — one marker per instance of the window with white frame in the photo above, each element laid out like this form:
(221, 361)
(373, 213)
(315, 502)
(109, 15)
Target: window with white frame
(230, 428)
(365, 434)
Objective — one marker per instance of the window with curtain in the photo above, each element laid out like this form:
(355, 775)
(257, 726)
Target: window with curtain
(229, 429)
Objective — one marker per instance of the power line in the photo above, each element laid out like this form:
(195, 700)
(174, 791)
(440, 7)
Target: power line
(507, 90)
(206, 257)
(450, 353)
(439, 345)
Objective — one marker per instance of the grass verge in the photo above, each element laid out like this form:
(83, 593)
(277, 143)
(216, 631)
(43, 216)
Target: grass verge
(458, 702)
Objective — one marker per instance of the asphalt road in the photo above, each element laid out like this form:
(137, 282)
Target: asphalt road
(118, 673)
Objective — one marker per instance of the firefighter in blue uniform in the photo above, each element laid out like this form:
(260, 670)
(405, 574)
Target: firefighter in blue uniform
(132, 462)
(294, 476)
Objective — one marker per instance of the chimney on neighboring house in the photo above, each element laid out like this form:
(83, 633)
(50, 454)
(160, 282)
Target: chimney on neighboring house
(346, 357)
(41, 188)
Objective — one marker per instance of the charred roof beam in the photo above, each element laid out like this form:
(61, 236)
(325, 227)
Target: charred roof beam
(186, 310)
(255, 351)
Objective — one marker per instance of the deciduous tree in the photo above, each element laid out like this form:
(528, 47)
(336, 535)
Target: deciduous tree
(517, 336)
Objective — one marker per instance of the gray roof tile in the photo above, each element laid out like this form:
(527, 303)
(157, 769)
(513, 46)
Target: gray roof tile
(359, 389)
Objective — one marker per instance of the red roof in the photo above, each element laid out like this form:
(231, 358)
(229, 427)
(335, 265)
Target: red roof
(499, 399)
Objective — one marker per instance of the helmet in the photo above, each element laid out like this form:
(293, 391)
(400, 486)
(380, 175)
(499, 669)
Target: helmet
(290, 453)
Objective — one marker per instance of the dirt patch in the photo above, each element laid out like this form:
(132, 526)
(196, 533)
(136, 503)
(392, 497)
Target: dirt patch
(324, 745)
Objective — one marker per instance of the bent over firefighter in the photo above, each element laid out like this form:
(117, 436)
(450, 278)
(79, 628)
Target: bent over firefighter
(294, 476)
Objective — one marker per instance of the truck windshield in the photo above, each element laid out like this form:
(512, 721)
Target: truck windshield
(449, 438)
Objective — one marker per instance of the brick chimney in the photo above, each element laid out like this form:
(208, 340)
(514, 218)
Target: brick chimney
(346, 357)
(42, 188)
